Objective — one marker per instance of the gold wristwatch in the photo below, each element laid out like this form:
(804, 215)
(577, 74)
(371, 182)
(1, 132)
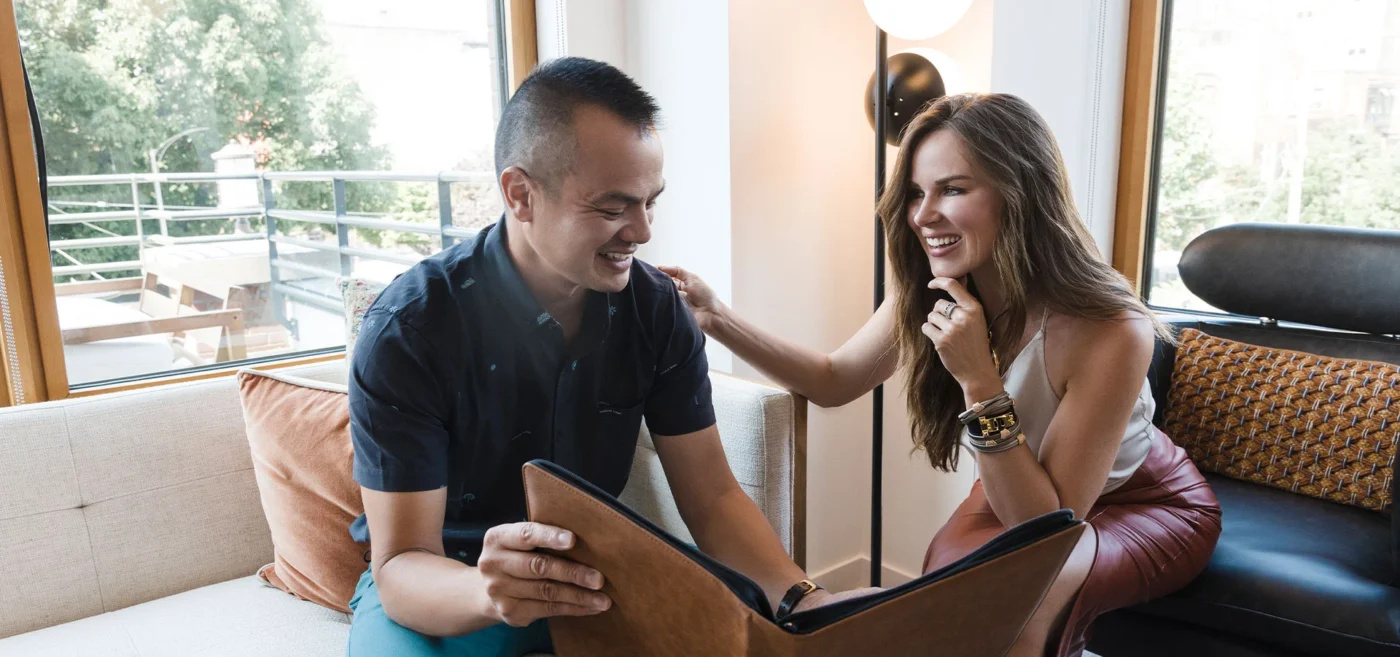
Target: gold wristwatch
(994, 424)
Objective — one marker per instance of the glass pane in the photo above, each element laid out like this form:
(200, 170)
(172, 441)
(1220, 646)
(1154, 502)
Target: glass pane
(1278, 112)
(215, 165)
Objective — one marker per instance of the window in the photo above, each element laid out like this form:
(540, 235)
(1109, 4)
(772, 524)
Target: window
(1276, 112)
(214, 166)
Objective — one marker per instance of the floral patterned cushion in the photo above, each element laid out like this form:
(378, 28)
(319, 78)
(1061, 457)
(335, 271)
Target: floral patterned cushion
(357, 295)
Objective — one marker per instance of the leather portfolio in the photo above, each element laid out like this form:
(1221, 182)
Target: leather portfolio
(671, 599)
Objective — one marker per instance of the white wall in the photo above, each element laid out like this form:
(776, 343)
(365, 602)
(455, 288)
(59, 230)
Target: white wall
(679, 52)
(802, 191)
(1067, 59)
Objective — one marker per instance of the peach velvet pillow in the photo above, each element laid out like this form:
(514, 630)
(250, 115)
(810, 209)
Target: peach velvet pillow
(299, 432)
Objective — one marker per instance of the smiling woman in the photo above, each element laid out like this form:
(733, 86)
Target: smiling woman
(990, 259)
(958, 214)
(985, 205)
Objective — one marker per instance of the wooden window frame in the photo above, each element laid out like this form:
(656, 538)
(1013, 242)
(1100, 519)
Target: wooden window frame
(1137, 157)
(230, 370)
(33, 363)
(37, 371)
(522, 46)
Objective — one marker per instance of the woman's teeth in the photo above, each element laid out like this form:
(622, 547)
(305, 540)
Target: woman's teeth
(936, 242)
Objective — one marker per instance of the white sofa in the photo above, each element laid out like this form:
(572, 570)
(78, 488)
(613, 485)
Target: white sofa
(130, 523)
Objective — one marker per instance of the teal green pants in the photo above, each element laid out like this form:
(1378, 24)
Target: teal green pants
(373, 634)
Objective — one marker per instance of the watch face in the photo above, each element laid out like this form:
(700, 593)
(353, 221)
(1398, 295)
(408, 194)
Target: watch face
(996, 423)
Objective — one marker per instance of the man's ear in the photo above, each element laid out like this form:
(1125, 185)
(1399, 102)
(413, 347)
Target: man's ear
(517, 190)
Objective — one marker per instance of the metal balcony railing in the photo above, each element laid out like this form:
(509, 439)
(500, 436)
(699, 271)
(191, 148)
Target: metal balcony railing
(275, 219)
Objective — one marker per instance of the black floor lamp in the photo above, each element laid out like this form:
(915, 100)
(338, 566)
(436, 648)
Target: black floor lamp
(910, 81)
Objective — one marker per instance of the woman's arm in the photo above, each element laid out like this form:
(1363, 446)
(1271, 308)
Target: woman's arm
(1106, 364)
(835, 379)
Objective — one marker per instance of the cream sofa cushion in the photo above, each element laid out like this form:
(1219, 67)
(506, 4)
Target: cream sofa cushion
(238, 618)
(111, 501)
(50, 578)
(762, 429)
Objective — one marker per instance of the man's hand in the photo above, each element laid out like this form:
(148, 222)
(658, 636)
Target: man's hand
(523, 586)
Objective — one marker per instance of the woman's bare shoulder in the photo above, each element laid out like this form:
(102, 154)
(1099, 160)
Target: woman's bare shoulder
(1130, 332)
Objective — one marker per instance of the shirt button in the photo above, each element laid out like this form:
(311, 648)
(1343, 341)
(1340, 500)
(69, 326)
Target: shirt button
(469, 497)
(574, 365)
(462, 554)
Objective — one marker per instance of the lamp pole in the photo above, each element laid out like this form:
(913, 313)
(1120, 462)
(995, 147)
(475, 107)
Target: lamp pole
(877, 420)
(155, 155)
(916, 82)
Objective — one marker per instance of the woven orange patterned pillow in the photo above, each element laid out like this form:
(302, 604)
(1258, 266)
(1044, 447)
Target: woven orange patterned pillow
(1318, 426)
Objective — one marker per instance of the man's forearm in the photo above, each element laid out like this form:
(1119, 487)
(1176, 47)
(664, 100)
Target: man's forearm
(736, 533)
(433, 595)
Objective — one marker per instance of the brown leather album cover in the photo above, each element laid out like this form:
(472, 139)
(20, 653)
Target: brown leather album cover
(671, 599)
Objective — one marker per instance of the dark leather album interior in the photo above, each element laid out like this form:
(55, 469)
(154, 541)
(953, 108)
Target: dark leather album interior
(671, 599)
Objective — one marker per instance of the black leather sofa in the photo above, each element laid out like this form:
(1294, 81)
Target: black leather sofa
(1292, 576)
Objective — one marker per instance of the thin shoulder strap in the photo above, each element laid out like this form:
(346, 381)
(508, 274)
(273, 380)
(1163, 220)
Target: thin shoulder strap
(1045, 366)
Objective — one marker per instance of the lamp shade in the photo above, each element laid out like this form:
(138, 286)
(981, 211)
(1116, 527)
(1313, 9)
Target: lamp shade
(911, 81)
(916, 19)
(948, 69)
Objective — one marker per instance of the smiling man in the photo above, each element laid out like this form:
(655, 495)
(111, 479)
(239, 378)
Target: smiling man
(542, 337)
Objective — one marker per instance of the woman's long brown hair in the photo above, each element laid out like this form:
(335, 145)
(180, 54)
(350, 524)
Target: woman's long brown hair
(1044, 251)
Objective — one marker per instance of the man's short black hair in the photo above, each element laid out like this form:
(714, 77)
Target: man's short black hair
(536, 128)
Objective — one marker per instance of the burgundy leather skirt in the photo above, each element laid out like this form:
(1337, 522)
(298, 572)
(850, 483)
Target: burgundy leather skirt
(1155, 534)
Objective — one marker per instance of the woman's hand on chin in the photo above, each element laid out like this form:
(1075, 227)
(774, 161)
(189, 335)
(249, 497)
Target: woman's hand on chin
(960, 337)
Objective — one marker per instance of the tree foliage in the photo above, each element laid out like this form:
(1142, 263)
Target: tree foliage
(115, 78)
(1348, 177)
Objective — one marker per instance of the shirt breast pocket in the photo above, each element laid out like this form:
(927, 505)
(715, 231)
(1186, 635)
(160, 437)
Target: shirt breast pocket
(620, 422)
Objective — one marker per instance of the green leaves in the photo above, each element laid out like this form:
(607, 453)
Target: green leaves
(115, 79)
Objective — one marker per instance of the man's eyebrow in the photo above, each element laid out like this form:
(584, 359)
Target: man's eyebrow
(624, 198)
(618, 197)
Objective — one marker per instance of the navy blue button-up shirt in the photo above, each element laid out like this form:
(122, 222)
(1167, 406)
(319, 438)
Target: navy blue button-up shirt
(460, 377)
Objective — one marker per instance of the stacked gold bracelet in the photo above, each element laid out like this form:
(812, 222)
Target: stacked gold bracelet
(996, 427)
